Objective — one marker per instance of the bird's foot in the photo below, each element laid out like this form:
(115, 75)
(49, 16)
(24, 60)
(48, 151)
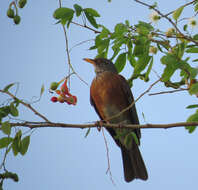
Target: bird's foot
(99, 125)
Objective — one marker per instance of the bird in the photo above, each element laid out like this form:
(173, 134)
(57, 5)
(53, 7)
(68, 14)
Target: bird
(110, 93)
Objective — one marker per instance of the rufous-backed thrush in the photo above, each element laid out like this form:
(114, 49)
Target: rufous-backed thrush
(110, 94)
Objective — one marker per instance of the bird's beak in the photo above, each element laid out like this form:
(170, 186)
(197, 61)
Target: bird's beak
(89, 60)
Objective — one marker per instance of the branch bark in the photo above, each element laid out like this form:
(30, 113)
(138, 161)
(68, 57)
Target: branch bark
(33, 125)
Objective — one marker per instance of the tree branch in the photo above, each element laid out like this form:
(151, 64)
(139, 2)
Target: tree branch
(168, 92)
(26, 105)
(33, 125)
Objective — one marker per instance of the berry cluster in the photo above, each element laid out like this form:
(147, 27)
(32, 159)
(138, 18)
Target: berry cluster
(64, 95)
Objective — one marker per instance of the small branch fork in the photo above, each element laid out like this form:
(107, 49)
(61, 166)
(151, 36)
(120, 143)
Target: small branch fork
(26, 105)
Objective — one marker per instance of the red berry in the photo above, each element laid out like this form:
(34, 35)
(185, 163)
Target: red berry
(71, 100)
(58, 92)
(61, 99)
(54, 99)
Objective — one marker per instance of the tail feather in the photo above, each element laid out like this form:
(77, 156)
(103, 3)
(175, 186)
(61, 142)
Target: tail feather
(133, 164)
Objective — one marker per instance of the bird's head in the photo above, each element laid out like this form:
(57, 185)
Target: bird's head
(101, 65)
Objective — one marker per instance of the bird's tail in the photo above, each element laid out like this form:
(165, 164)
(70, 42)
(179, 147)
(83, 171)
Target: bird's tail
(133, 163)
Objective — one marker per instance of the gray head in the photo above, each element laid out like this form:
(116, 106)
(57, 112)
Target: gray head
(101, 65)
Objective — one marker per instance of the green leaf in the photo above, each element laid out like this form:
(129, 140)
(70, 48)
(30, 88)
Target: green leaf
(15, 148)
(177, 12)
(24, 145)
(192, 106)
(5, 141)
(93, 47)
(128, 140)
(195, 37)
(146, 25)
(16, 145)
(192, 50)
(78, 9)
(104, 33)
(63, 13)
(104, 45)
(144, 28)
(171, 66)
(138, 50)
(6, 127)
(120, 29)
(185, 27)
(91, 19)
(149, 68)
(196, 7)
(4, 111)
(142, 45)
(13, 110)
(191, 129)
(181, 49)
(8, 175)
(92, 12)
(8, 87)
(135, 138)
(120, 62)
(42, 90)
(87, 133)
(141, 64)
(194, 89)
(192, 118)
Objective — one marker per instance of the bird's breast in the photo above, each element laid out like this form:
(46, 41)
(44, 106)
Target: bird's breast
(108, 96)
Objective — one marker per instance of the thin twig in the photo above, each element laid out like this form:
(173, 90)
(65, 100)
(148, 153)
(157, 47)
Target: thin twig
(80, 43)
(166, 92)
(187, 4)
(87, 27)
(26, 105)
(108, 159)
(68, 56)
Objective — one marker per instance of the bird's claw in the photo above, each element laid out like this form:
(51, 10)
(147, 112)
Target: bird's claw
(99, 125)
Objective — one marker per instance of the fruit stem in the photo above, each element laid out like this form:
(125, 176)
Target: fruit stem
(14, 4)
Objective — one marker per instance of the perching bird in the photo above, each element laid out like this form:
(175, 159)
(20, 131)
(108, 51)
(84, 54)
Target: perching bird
(110, 94)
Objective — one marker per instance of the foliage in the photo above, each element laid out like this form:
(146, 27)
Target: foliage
(132, 44)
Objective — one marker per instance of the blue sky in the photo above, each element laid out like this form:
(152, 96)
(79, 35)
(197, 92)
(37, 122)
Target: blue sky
(33, 54)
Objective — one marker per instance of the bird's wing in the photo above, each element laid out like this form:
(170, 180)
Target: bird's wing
(129, 96)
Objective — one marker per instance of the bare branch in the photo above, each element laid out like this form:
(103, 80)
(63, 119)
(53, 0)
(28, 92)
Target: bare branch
(108, 159)
(87, 27)
(167, 92)
(68, 56)
(33, 125)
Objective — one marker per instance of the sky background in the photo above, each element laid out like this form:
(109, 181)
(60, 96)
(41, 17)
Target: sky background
(33, 53)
